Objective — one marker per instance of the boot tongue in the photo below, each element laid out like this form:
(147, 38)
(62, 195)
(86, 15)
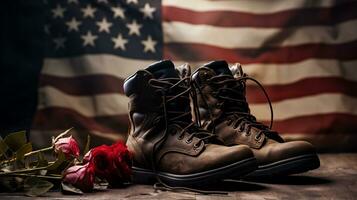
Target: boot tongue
(163, 69)
(220, 67)
(166, 69)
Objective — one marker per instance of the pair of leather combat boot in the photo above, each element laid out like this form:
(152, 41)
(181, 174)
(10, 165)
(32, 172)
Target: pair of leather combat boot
(196, 129)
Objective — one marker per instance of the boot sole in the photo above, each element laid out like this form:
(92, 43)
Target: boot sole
(294, 165)
(236, 170)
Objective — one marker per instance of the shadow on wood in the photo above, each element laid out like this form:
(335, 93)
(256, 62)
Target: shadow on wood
(233, 185)
(293, 180)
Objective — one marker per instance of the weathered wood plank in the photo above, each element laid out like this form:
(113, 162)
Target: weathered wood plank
(335, 179)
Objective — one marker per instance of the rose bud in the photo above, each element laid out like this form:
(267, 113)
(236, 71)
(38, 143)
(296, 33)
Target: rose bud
(80, 176)
(68, 146)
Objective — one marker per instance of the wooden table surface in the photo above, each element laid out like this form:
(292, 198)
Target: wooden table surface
(335, 179)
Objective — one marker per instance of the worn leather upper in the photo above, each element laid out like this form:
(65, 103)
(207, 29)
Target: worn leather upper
(225, 111)
(168, 140)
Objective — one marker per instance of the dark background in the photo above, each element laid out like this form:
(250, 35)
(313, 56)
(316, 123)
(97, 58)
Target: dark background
(21, 59)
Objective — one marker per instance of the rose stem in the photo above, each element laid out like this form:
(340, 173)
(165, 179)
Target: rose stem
(22, 171)
(28, 154)
(38, 176)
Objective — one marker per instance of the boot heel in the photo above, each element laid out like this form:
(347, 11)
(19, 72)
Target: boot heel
(143, 176)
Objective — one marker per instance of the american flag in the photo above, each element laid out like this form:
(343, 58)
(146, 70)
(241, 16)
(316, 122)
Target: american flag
(304, 53)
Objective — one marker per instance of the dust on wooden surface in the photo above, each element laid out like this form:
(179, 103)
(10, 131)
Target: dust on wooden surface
(335, 179)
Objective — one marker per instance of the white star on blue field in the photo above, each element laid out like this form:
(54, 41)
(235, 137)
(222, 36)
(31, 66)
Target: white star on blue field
(127, 28)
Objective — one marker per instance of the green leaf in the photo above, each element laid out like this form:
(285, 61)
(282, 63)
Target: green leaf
(35, 186)
(60, 160)
(86, 149)
(41, 160)
(3, 147)
(70, 189)
(20, 153)
(16, 140)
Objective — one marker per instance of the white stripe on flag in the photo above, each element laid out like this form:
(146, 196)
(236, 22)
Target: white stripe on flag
(93, 64)
(227, 37)
(277, 74)
(271, 74)
(89, 106)
(308, 105)
(251, 6)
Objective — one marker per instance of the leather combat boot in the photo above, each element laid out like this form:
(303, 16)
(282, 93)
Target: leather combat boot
(225, 112)
(167, 146)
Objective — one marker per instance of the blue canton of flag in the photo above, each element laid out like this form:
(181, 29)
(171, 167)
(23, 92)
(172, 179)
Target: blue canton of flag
(129, 28)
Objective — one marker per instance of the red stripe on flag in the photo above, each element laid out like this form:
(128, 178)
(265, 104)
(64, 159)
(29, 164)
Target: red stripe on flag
(332, 123)
(84, 85)
(289, 18)
(288, 54)
(305, 87)
(55, 118)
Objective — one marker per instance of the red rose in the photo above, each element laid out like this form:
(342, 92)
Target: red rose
(112, 163)
(102, 159)
(68, 146)
(122, 160)
(80, 176)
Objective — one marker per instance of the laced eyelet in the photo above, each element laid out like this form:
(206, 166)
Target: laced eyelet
(180, 137)
(188, 141)
(241, 128)
(247, 133)
(195, 146)
(257, 138)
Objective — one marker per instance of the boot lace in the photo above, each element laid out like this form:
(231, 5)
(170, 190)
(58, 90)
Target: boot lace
(231, 92)
(176, 91)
